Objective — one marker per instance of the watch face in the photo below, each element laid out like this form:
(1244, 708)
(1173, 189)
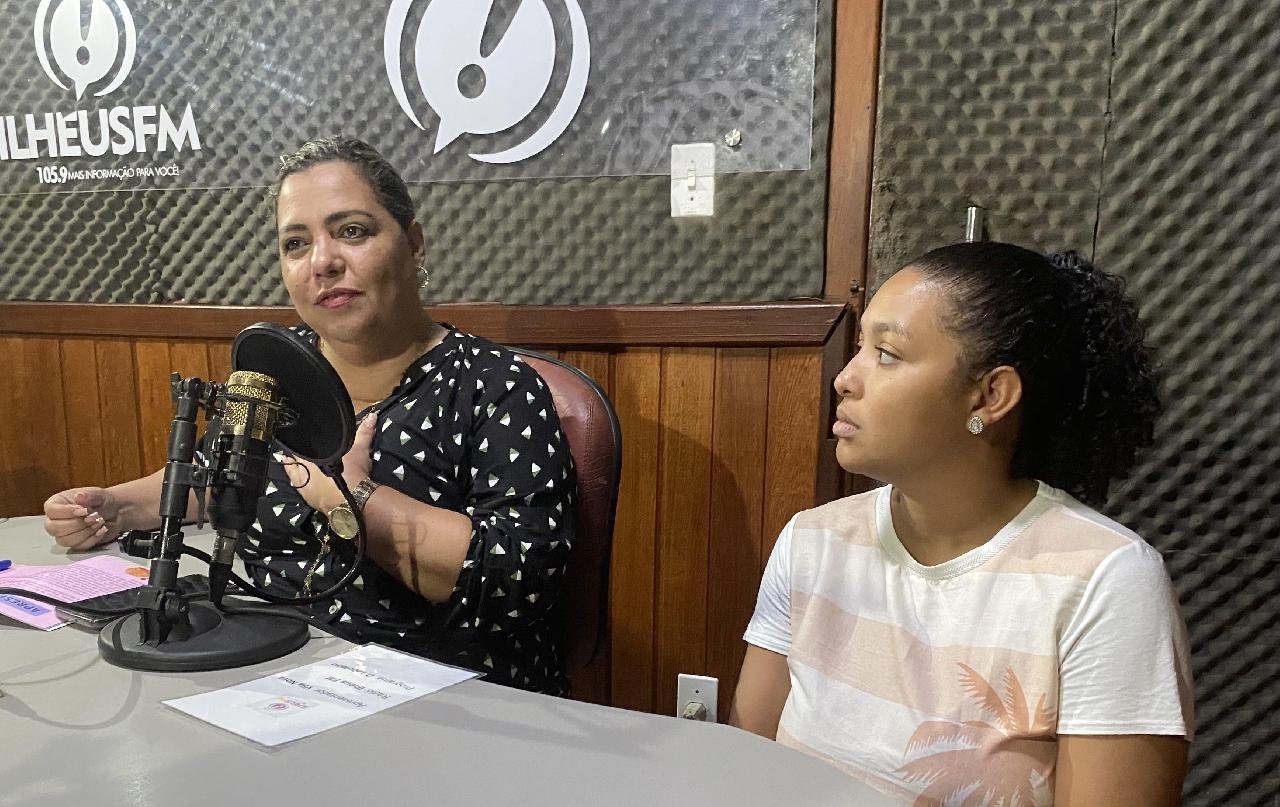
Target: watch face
(343, 522)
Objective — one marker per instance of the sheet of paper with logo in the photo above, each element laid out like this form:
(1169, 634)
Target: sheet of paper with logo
(104, 574)
(308, 700)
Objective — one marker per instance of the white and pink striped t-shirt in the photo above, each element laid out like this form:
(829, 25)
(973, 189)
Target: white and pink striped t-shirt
(938, 683)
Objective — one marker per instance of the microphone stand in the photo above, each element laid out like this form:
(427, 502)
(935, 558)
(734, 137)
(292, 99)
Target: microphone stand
(162, 612)
(168, 633)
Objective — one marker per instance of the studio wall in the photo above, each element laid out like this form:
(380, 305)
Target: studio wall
(588, 221)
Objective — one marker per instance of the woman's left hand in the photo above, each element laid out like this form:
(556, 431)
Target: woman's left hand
(321, 492)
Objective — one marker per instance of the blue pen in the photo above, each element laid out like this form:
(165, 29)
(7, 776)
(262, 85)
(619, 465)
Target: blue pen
(4, 564)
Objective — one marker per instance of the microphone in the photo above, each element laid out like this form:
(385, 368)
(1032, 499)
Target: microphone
(273, 365)
(280, 389)
(321, 426)
(249, 412)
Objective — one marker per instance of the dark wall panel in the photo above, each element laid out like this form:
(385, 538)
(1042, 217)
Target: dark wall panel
(604, 240)
(999, 104)
(1190, 214)
(75, 247)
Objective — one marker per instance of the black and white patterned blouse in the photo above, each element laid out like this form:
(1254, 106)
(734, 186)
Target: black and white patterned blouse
(469, 428)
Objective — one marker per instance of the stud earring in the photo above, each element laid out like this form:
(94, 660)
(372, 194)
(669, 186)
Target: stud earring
(975, 425)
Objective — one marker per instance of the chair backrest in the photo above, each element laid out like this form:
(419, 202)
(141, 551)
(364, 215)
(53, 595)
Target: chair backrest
(595, 440)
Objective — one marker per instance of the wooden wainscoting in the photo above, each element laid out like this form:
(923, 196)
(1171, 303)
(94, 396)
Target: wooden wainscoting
(725, 436)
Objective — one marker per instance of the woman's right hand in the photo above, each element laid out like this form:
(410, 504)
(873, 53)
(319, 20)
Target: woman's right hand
(82, 518)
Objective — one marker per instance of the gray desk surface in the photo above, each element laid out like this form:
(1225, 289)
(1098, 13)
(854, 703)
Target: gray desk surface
(76, 730)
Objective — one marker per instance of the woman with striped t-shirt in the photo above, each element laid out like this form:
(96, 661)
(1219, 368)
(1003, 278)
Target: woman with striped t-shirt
(973, 632)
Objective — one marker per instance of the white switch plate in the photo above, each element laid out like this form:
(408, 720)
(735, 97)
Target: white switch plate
(700, 689)
(693, 164)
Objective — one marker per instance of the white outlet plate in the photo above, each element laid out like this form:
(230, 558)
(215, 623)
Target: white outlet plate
(697, 688)
(693, 179)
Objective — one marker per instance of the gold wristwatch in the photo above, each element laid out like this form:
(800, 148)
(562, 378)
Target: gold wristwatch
(342, 522)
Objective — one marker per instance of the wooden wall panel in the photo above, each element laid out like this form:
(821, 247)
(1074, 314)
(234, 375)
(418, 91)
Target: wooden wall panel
(219, 355)
(853, 116)
(191, 358)
(80, 392)
(155, 408)
(33, 429)
(739, 438)
(684, 515)
(155, 361)
(795, 395)
(637, 387)
(119, 410)
(774, 324)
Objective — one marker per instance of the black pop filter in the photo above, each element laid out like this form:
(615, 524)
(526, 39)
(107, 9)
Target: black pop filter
(326, 424)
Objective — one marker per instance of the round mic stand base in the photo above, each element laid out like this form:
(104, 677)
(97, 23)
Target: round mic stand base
(218, 641)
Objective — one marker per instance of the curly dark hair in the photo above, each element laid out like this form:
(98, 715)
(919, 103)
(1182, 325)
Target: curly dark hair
(386, 182)
(1090, 393)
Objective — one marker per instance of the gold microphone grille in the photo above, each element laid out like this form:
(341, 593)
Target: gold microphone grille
(235, 416)
(252, 385)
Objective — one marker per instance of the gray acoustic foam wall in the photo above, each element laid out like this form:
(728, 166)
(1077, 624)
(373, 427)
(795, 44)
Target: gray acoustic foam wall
(999, 104)
(1190, 215)
(602, 240)
(1162, 156)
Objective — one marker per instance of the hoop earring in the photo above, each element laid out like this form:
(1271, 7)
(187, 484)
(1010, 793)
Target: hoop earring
(975, 425)
(426, 276)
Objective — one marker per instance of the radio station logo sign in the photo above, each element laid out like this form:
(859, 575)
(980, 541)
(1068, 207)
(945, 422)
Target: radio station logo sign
(88, 48)
(515, 75)
(85, 55)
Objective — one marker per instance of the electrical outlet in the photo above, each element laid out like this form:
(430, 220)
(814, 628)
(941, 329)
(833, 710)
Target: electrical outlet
(693, 691)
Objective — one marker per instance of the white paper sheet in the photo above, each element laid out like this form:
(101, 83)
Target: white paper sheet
(307, 700)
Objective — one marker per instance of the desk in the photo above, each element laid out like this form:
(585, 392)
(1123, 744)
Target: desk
(75, 730)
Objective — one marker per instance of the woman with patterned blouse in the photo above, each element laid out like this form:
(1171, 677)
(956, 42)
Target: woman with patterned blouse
(469, 480)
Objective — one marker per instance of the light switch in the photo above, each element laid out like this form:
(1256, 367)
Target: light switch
(693, 179)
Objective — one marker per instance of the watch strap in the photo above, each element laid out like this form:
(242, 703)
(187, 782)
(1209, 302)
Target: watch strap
(363, 491)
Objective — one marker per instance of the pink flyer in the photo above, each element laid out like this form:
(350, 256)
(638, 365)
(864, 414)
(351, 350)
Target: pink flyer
(104, 574)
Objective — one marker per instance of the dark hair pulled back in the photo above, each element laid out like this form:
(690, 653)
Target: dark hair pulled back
(385, 181)
(1090, 392)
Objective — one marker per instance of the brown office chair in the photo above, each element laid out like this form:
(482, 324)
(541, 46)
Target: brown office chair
(595, 441)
